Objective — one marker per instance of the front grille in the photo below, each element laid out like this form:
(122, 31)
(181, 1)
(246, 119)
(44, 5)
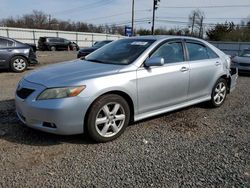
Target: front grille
(23, 93)
(244, 64)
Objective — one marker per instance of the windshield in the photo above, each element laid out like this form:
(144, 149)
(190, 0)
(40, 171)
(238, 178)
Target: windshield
(122, 52)
(245, 53)
(100, 44)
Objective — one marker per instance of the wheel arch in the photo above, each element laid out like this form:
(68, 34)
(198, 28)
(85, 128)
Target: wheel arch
(17, 55)
(123, 94)
(228, 79)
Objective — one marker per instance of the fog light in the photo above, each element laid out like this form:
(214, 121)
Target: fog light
(49, 125)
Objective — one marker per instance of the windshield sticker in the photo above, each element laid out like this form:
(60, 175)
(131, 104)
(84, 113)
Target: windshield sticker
(140, 43)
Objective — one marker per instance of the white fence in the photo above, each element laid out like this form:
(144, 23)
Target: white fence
(32, 35)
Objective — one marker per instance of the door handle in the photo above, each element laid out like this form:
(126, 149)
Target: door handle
(184, 69)
(218, 63)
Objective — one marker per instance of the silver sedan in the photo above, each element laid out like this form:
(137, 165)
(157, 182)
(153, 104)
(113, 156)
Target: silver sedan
(242, 61)
(126, 80)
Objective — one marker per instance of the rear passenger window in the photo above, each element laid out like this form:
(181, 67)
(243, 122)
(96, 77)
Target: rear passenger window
(170, 52)
(3, 43)
(6, 43)
(197, 52)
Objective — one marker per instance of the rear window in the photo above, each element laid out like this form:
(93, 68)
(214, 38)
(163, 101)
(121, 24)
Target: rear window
(6, 43)
(42, 39)
(198, 51)
(245, 53)
(53, 40)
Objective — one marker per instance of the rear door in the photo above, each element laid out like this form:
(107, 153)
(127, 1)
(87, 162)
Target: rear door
(205, 68)
(6, 47)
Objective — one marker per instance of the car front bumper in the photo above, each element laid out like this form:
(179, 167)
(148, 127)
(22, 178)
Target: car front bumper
(58, 116)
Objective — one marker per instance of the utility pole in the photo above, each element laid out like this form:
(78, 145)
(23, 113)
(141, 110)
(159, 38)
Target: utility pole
(133, 14)
(201, 28)
(192, 31)
(155, 6)
(49, 20)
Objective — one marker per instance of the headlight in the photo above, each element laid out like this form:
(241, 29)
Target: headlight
(57, 93)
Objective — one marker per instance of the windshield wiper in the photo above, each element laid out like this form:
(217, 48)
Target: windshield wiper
(96, 61)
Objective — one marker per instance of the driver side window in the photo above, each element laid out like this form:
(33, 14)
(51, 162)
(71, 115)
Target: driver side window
(171, 52)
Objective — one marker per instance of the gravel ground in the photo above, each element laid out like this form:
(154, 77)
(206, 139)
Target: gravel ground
(193, 147)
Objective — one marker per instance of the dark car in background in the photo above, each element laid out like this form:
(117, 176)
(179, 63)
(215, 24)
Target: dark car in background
(16, 55)
(242, 61)
(56, 43)
(86, 51)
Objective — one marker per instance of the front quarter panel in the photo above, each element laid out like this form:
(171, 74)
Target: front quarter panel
(123, 82)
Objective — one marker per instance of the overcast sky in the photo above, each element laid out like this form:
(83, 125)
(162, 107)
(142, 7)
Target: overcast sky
(171, 13)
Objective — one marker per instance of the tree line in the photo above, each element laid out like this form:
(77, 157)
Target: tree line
(40, 20)
(227, 31)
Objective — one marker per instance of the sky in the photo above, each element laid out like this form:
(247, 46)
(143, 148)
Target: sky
(170, 14)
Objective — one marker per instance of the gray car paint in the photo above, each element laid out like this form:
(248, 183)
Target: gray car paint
(18, 49)
(153, 90)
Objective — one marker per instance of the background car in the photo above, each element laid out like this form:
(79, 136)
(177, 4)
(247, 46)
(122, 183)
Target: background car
(16, 55)
(141, 78)
(86, 51)
(56, 43)
(242, 61)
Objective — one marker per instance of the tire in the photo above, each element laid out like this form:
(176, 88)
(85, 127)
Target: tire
(53, 48)
(18, 64)
(74, 48)
(108, 117)
(219, 93)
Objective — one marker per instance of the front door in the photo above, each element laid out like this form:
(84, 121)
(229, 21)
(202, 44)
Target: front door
(167, 85)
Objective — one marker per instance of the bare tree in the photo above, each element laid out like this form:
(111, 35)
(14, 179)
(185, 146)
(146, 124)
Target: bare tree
(196, 18)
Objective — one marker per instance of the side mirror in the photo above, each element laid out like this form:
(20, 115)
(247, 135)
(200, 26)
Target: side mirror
(154, 61)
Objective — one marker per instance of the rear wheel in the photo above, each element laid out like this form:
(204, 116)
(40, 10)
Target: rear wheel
(53, 48)
(108, 118)
(219, 93)
(18, 64)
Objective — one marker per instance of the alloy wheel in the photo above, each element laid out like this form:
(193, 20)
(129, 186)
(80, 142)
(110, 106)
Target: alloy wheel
(110, 119)
(220, 93)
(19, 64)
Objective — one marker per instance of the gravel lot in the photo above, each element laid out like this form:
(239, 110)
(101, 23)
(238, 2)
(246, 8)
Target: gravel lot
(193, 147)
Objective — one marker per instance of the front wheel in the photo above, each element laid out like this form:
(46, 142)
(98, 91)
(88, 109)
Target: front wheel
(219, 93)
(108, 118)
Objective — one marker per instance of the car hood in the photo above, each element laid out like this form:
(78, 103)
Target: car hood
(70, 73)
(238, 59)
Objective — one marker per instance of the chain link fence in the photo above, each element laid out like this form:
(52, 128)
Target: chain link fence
(32, 35)
(231, 48)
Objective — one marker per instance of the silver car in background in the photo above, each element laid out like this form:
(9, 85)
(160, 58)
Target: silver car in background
(242, 61)
(126, 80)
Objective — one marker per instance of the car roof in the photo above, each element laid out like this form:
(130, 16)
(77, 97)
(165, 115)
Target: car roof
(7, 38)
(160, 37)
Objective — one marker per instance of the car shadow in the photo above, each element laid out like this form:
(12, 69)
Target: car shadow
(244, 74)
(5, 70)
(13, 130)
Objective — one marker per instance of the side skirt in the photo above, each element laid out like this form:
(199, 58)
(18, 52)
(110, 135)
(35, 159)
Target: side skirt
(171, 108)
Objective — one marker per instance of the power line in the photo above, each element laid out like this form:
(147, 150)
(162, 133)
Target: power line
(185, 22)
(96, 4)
(210, 6)
(215, 18)
(114, 15)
